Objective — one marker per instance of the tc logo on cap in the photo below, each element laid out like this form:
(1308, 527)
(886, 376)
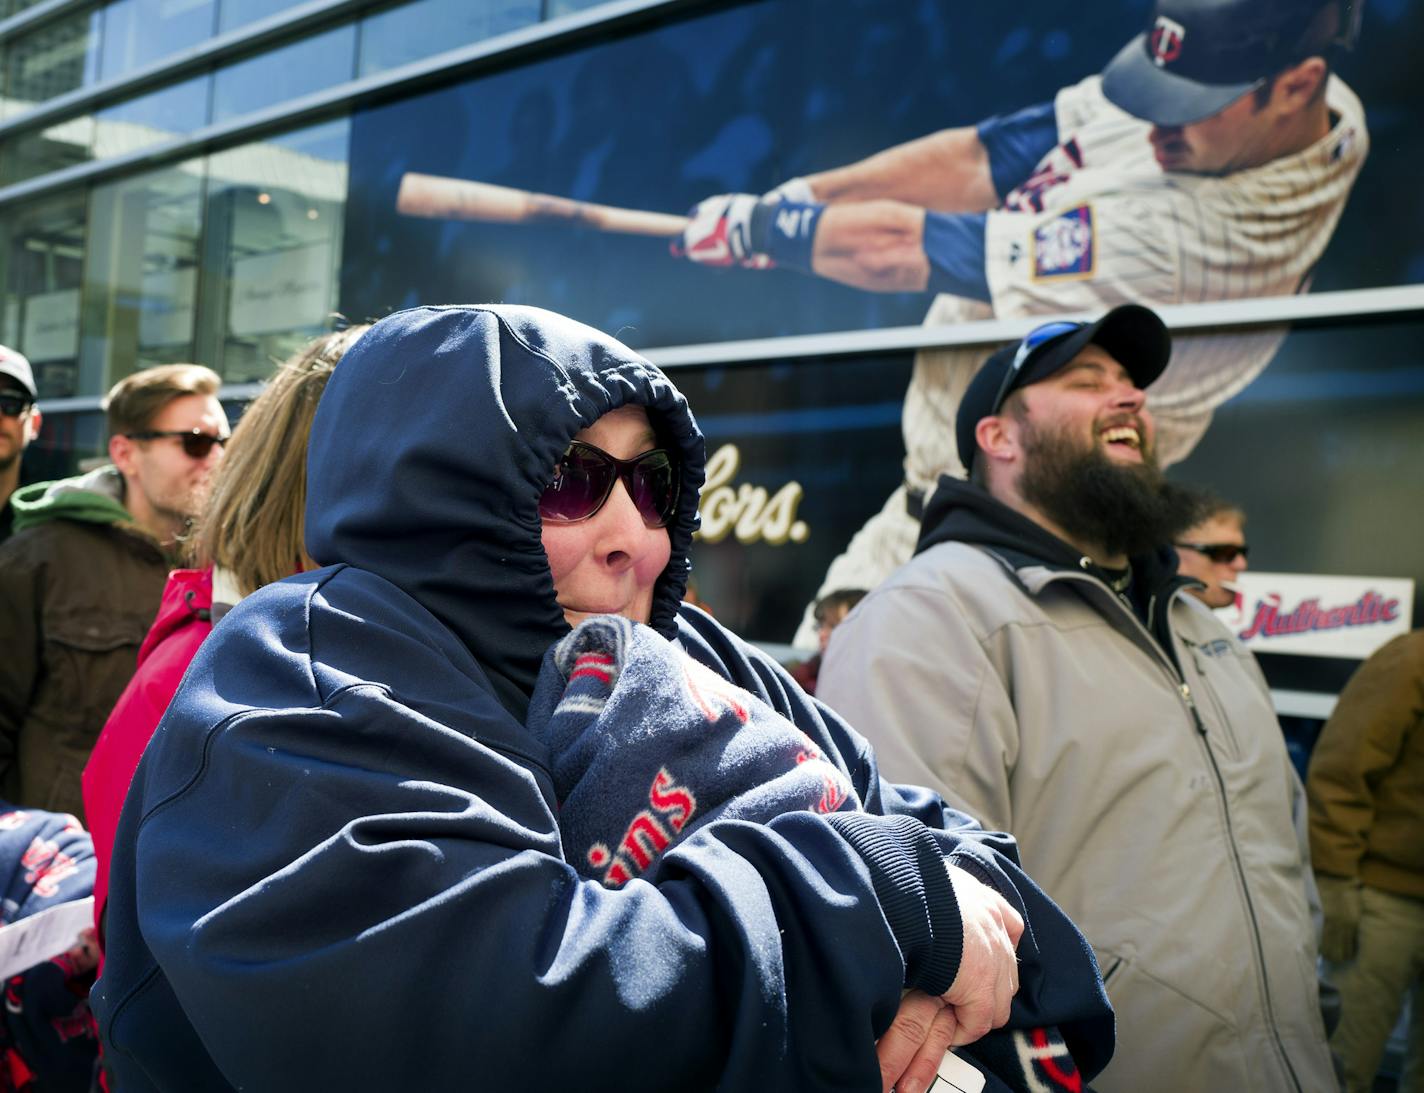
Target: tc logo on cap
(1166, 41)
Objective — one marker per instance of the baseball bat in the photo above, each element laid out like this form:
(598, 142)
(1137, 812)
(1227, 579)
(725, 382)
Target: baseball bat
(461, 199)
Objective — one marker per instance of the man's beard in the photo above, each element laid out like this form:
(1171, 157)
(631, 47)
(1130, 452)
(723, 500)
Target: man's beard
(1120, 508)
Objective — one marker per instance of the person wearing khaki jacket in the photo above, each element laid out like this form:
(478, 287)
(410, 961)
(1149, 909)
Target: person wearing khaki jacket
(1366, 786)
(82, 576)
(1039, 661)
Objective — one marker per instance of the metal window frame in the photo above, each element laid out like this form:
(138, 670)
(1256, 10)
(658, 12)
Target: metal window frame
(488, 53)
(42, 13)
(249, 38)
(817, 350)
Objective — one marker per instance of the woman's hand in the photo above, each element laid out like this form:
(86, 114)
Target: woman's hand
(988, 975)
(925, 1026)
(915, 1042)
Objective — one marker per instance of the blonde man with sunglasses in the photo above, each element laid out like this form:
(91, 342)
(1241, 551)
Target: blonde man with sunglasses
(82, 576)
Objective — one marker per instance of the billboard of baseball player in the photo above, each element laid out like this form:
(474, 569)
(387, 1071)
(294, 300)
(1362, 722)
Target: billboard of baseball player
(1210, 160)
(1182, 152)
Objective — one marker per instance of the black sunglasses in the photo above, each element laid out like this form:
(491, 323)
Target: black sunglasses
(1032, 340)
(585, 476)
(1224, 553)
(196, 443)
(13, 405)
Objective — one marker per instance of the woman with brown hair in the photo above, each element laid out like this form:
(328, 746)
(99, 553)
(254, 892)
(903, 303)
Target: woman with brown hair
(250, 534)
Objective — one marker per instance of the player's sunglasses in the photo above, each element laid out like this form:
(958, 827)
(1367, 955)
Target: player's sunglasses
(1223, 553)
(585, 476)
(196, 443)
(12, 405)
(1032, 340)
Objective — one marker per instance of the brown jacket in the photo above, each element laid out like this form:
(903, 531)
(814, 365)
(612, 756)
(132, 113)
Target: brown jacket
(77, 596)
(1366, 779)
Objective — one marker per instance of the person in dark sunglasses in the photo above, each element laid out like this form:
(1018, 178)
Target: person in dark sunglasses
(83, 573)
(345, 804)
(1213, 550)
(19, 424)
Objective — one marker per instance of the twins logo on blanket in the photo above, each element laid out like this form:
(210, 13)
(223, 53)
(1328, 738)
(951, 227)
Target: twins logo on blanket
(646, 745)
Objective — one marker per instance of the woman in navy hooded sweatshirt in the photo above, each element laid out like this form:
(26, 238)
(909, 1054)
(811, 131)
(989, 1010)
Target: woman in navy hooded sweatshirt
(339, 865)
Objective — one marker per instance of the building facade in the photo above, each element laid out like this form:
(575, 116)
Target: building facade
(217, 180)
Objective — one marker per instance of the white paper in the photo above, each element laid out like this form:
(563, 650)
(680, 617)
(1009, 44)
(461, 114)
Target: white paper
(35, 939)
(956, 1076)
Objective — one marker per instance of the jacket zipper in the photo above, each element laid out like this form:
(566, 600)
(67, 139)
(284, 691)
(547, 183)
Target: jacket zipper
(1185, 691)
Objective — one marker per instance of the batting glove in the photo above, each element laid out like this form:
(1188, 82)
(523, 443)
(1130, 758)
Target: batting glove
(721, 233)
(1341, 902)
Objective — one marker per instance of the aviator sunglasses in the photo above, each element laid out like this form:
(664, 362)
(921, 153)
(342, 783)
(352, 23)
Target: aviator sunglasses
(1032, 340)
(196, 443)
(584, 479)
(1223, 553)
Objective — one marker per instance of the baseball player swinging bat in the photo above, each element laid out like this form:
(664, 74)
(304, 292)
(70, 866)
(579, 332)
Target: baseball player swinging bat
(460, 199)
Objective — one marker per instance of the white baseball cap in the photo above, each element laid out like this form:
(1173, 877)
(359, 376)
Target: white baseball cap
(15, 366)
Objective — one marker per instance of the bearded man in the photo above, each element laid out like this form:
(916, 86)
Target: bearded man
(1040, 663)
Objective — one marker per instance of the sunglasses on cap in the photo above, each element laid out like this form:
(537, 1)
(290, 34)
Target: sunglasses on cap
(1032, 340)
(196, 443)
(13, 404)
(1224, 553)
(585, 476)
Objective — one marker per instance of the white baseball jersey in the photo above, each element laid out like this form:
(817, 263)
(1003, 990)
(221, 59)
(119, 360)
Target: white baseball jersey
(1098, 223)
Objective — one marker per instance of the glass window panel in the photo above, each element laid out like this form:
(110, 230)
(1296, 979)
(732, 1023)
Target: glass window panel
(311, 64)
(139, 32)
(69, 443)
(51, 60)
(40, 151)
(153, 118)
(424, 28)
(274, 232)
(41, 266)
(237, 13)
(141, 280)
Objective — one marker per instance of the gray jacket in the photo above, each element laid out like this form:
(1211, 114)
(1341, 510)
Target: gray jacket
(1153, 804)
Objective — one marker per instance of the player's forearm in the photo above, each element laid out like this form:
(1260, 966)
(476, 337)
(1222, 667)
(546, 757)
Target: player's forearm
(947, 171)
(872, 245)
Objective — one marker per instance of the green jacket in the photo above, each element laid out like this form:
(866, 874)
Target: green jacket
(1366, 779)
(79, 586)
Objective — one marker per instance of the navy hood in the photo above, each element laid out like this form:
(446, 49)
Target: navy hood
(432, 445)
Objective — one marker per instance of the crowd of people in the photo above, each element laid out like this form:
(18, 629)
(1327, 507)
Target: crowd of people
(426, 763)
(384, 735)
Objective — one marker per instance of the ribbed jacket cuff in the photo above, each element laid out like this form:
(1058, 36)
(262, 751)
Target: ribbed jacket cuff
(912, 884)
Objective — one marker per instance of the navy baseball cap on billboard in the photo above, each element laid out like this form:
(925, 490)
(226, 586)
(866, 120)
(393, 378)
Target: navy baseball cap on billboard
(1134, 335)
(1199, 56)
(15, 366)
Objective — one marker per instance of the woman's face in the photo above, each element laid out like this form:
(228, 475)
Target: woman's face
(609, 563)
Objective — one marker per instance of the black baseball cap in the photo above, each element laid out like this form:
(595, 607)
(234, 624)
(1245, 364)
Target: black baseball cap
(1135, 335)
(1199, 56)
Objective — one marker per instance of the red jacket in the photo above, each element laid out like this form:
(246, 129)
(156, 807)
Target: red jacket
(184, 619)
